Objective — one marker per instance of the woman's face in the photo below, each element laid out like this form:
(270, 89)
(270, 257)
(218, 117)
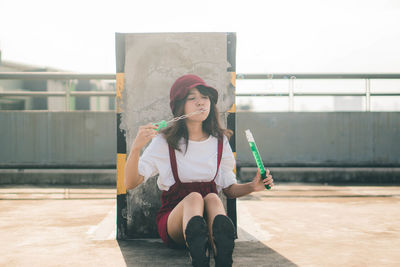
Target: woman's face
(195, 101)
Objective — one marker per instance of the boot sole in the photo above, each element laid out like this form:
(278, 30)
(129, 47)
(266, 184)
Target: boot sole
(224, 240)
(197, 241)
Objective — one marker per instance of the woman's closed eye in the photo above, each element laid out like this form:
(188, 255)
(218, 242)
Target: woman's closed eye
(191, 98)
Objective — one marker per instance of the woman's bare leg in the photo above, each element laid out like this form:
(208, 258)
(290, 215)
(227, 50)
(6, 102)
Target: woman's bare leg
(213, 206)
(191, 205)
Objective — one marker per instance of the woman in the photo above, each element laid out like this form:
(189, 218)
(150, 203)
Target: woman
(194, 162)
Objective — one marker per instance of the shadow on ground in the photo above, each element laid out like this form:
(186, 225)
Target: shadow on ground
(152, 252)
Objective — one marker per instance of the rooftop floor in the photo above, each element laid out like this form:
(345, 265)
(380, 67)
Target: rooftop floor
(291, 225)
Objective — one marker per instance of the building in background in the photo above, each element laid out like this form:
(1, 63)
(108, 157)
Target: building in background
(348, 103)
(52, 103)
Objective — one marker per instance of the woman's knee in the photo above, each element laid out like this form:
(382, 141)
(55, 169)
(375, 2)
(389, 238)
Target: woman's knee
(212, 197)
(194, 197)
(213, 204)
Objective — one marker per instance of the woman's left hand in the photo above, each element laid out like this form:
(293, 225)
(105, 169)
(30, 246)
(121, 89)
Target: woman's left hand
(259, 184)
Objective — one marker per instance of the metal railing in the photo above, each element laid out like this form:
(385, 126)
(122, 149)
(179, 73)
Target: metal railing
(56, 76)
(291, 77)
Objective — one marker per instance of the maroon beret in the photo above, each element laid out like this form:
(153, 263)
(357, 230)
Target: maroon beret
(183, 84)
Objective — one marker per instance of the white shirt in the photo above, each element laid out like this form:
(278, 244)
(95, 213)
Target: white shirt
(198, 164)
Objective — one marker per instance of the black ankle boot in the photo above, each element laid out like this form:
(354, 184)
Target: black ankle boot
(197, 241)
(224, 239)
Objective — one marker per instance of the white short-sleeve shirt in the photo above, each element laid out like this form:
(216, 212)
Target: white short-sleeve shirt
(198, 164)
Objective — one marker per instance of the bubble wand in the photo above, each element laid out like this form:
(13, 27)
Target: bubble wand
(256, 155)
(163, 123)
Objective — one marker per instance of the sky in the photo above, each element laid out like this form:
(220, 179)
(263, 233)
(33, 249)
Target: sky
(285, 36)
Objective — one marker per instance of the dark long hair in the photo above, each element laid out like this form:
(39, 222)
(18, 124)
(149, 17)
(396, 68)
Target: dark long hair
(211, 125)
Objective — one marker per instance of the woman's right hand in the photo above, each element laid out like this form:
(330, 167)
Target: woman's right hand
(144, 135)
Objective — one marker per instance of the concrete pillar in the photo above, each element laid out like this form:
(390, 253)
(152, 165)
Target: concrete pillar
(147, 66)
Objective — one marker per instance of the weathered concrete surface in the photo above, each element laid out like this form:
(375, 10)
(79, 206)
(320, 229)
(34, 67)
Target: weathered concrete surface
(291, 225)
(321, 139)
(58, 176)
(41, 139)
(332, 176)
(327, 225)
(310, 139)
(153, 61)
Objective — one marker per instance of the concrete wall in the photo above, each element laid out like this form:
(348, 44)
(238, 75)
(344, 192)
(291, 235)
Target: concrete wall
(88, 139)
(323, 139)
(154, 61)
(57, 139)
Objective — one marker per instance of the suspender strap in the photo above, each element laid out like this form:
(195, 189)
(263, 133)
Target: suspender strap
(172, 159)
(220, 147)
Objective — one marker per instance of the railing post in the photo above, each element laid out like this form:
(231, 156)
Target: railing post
(291, 93)
(368, 94)
(67, 94)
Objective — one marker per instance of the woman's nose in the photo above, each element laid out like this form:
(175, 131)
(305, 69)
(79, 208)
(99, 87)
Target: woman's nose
(200, 102)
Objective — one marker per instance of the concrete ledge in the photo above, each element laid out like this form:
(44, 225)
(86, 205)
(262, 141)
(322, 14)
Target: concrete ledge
(298, 175)
(329, 175)
(58, 176)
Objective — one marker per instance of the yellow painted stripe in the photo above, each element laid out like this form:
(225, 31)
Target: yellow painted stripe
(233, 79)
(234, 168)
(233, 109)
(233, 82)
(120, 85)
(121, 161)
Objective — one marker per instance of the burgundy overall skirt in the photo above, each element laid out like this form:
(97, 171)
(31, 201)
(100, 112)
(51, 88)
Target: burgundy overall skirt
(178, 191)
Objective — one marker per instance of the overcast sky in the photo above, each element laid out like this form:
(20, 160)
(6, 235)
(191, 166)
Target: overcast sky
(273, 36)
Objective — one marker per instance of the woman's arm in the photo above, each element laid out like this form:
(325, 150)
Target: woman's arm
(144, 135)
(132, 177)
(239, 190)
